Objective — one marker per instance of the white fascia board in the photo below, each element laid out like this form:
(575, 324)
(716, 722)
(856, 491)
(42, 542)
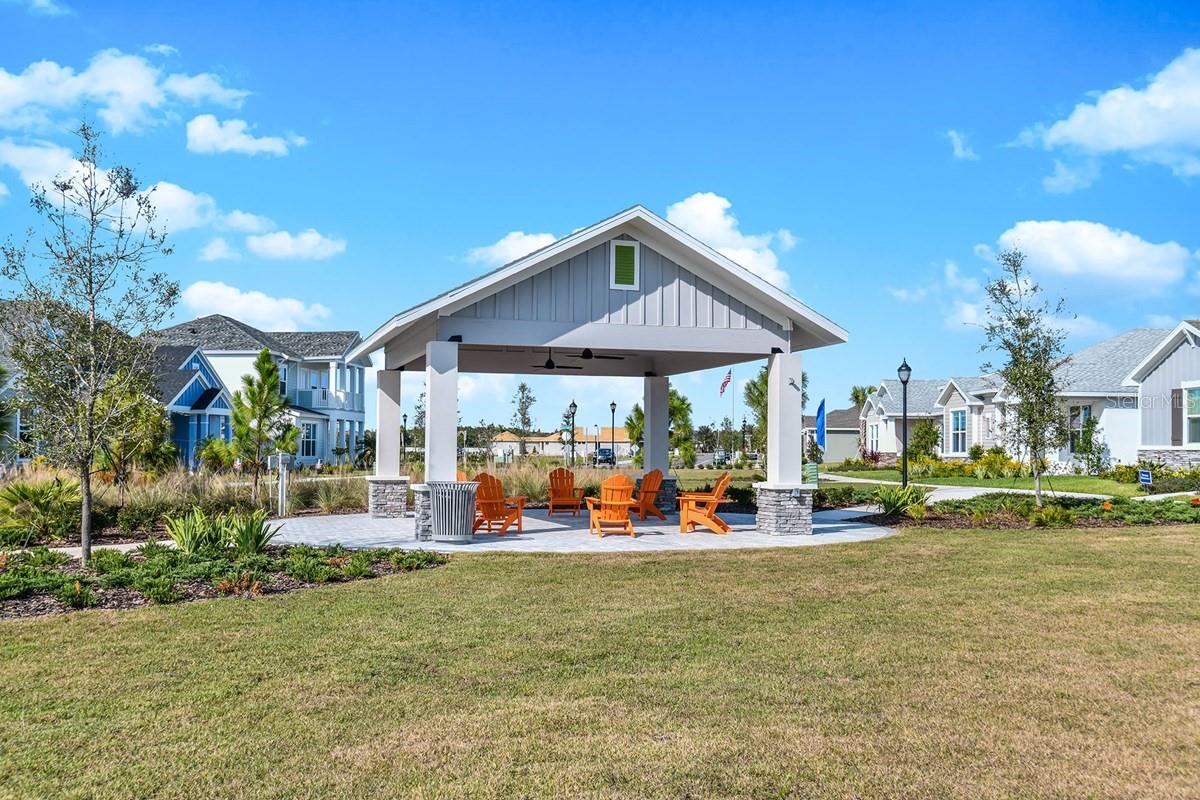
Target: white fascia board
(462, 296)
(1182, 332)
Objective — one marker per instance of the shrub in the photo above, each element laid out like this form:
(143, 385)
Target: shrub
(135, 518)
(194, 532)
(250, 534)
(975, 452)
(105, 560)
(1052, 516)
(41, 511)
(895, 499)
(77, 595)
(409, 560)
(359, 566)
(308, 568)
(23, 580)
(151, 549)
(246, 583)
(158, 589)
(44, 558)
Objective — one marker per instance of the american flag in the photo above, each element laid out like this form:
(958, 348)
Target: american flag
(725, 382)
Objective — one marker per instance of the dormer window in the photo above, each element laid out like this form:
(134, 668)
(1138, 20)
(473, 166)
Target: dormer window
(625, 265)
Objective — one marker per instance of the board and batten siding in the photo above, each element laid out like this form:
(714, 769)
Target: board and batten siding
(577, 291)
(1183, 364)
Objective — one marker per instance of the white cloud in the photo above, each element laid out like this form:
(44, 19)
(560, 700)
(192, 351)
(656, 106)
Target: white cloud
(1066, 179)
(1161, 321)
(487, 386)
(160, 49)
(1157, 124)
(706, 216)
(512, 246)
(4, 193)
(307, 245)
(1081, 326)
(124, 89)
(965, 315)
(254, 308)
(46, 8)
(246, 222)
(959, 147)
(218, 250)
(39, 162)
(207, 134)
(1093, 251)
(179, 209)
(956, 282)
(910, 295)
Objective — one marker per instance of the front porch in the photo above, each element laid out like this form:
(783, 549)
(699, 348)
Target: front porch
(564, 533)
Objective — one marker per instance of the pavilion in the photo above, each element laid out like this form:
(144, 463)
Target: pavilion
(632, 295)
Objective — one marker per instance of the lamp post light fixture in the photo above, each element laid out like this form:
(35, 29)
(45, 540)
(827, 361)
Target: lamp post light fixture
(904, 372)
(613, 432)
(404, 438)
(572, 408)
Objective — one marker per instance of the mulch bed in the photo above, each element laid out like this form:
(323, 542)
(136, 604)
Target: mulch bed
(999, 521)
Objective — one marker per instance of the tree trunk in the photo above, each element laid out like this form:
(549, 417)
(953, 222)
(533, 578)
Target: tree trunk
(85, 515)
(1037, 484)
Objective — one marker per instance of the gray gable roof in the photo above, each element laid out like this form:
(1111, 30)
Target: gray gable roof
(1103, 367)
(922, 396)
(837, 419)
(217, 332)
(165, 366)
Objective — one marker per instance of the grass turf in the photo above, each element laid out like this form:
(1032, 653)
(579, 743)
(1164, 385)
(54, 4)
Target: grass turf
(1062, 483)
(930, 664)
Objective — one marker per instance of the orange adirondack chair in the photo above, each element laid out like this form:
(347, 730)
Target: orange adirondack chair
(609, 513)
(493, 511)
(647, 492)
(460, 476)
(563, 494)
(700, 508)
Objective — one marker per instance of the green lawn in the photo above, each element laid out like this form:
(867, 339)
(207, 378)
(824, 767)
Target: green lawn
(693, 479)
(1064, 483)
(930, 664)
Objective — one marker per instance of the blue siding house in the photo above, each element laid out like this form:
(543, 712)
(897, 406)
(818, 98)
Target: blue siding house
(196, 400)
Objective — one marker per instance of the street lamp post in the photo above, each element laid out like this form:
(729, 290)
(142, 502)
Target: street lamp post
(404, 438)
(572, 408)
(613, 432)
(904, 372)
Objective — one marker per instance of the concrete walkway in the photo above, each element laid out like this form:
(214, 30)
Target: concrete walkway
(567, 534)
(962, 492)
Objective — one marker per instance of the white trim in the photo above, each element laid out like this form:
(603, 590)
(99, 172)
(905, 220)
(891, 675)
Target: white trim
(759, 289)
(1184, 331)
(966, 431)
(637, 264)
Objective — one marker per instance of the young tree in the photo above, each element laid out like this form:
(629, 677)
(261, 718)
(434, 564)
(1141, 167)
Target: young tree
(142, 430)
(416, 434)
(755, 395)
(924, 438)
(522, 418)
(679, 416)
(706, 438)
(260, 419)
(82, 300)
(1020, 326)
(859, 394)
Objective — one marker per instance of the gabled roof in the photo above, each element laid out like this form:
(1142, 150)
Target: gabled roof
(820, 330)
(1187, 330)
(167, 367)
(219, 333)
(838, 420)
(973, 388)
(922, 397)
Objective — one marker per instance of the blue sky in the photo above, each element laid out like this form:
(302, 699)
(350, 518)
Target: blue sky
(327, 166)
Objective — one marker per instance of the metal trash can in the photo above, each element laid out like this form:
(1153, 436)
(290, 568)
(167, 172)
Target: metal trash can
(452, 504)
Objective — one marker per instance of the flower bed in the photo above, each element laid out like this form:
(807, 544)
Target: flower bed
(1005, 510)
(40, 581)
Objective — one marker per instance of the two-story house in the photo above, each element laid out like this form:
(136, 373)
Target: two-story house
(324, 387)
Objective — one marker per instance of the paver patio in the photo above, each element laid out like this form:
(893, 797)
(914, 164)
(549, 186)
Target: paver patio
(566, 534)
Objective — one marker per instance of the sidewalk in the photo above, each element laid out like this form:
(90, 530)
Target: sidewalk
(963, 492)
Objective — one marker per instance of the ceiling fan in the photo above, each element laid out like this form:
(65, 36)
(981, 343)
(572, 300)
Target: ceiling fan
(550, 365)
(588, 355)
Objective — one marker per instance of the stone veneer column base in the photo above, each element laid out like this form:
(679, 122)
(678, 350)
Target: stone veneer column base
(423, 508)
(665, 501)
(784, 510)
(387, 495)
(1176, 457)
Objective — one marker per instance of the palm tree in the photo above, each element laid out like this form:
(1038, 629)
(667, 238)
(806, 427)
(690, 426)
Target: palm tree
(755, 395)
(679, 414)
(859, 394)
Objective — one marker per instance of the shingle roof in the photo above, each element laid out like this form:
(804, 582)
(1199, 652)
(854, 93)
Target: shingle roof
(219, 332)
(314, 344)
(1103, 367)
(922, 395)
(165, 366)
(838, 418)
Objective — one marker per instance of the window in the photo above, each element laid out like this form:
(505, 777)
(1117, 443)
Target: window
(283, 380)
(624, 264)
(958, 431)
(1077, 417)
(308, 440)
(872, 438)
(1192, 415)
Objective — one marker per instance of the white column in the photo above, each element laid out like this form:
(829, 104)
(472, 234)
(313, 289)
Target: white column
(785, 419)
(441, 410)
(387, 432)
(655, 438)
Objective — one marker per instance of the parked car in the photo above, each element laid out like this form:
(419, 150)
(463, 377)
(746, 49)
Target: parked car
(604, 458)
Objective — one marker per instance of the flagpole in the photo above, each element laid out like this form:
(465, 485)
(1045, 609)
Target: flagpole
(732, 407)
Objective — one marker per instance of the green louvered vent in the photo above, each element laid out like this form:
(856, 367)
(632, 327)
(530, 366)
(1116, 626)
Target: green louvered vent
(624, 269)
